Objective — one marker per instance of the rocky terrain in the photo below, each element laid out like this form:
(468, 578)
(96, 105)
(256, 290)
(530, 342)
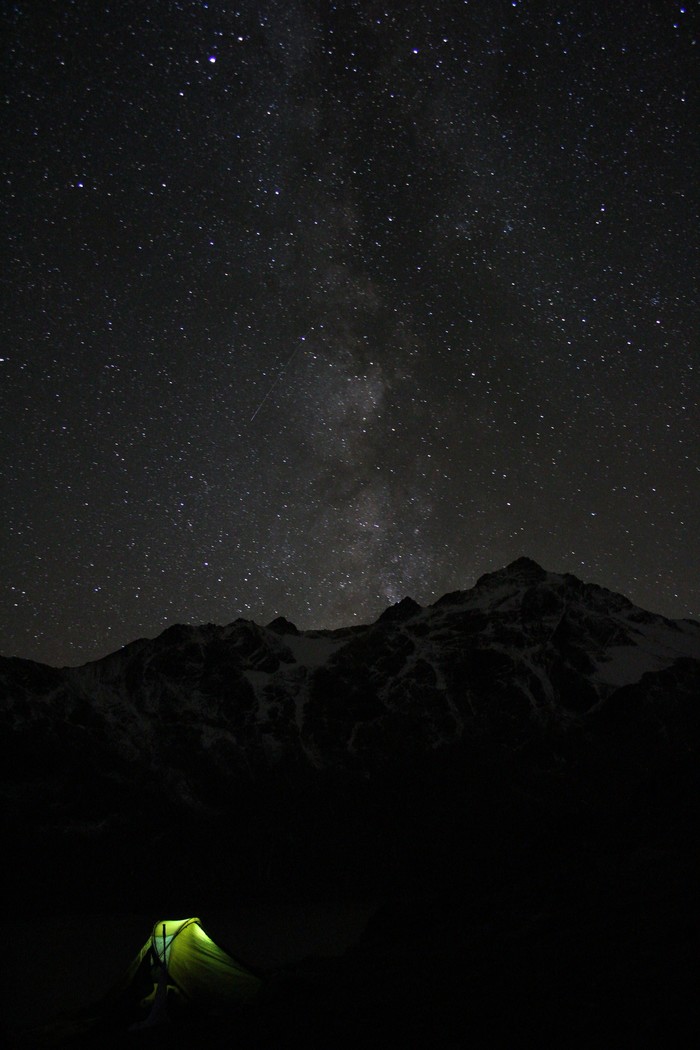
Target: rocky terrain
(510, 773)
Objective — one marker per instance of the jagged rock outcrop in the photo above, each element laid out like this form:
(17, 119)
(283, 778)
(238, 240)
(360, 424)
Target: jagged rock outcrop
(537, 680)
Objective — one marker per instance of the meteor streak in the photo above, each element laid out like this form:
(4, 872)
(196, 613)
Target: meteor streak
(279, 375)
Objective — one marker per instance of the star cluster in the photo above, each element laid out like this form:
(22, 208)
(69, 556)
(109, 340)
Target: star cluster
(310, 306)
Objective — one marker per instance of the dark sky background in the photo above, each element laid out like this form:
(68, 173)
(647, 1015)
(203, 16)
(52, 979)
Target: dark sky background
(309, 306)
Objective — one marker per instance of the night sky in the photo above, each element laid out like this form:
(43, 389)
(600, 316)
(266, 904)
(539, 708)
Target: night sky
(309, 306)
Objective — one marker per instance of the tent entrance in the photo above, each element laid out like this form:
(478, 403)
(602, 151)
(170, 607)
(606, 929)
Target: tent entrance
(164, 933)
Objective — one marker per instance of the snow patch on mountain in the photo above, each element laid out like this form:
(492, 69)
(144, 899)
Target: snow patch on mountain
(312, 649)
(523, 650)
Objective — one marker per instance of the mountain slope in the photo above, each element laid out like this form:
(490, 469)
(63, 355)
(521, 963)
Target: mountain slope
(532, 695)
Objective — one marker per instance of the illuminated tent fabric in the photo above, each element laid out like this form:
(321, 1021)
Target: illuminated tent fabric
(197, 969)
(179, 965)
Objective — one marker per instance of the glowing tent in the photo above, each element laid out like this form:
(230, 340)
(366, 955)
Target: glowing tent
(179, 973)
(180, 961)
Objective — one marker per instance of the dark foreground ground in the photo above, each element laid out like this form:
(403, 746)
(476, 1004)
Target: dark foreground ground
(525, 920)
(577, 950)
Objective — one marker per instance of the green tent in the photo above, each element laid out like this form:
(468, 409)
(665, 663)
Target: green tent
(179, 960)
(179, 973)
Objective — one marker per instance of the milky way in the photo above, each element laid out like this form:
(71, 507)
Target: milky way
(312, 306)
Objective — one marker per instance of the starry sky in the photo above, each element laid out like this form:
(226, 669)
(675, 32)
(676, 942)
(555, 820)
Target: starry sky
(311, 305)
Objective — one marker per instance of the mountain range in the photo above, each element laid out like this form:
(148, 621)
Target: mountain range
(510, 776)
(531, 700)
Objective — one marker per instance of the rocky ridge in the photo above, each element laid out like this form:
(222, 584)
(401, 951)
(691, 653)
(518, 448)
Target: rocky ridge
(557, 688)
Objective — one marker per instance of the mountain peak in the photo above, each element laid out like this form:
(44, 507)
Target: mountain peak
(522, 569)
(402, 610)
(281, 625)
(525, 565)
